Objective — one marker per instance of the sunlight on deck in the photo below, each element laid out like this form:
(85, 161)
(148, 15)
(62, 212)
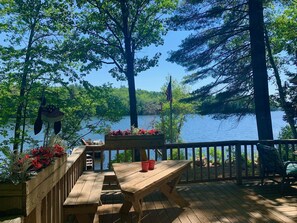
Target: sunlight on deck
(211, 202)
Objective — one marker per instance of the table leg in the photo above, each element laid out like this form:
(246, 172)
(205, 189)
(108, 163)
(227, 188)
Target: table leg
(83, 218)
(169, 191)
(124, 211)
(137, 205)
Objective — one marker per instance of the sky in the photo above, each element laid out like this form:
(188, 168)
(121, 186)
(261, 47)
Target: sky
(154, 78)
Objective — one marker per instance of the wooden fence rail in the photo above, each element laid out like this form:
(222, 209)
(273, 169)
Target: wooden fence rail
(211, 161)
(51, 209)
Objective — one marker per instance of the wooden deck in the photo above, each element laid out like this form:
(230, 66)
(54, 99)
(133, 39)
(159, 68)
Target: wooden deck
(211, 202)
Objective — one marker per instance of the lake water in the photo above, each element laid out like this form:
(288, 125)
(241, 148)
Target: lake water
(204, 128)
(201, 128)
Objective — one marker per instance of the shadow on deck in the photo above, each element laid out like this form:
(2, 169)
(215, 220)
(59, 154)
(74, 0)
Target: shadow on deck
(211, 202)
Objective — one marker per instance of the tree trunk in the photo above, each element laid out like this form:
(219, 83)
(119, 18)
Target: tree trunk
(22, 104)
(132, 99)
(260, 76)
(129, 54)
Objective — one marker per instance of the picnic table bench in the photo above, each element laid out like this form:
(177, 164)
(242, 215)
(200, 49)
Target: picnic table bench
(84, 198)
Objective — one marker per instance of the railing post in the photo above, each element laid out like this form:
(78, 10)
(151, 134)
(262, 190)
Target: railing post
(238, 164)
(164, 153)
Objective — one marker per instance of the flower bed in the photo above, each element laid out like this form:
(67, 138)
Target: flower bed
(27, 178)
(134, 131)
(137, 138)
(22, 198)
(134, 141)
(17, 168)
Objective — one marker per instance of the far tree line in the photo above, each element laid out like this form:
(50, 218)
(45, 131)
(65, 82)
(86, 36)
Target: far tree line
(151, 103)
(148, 103)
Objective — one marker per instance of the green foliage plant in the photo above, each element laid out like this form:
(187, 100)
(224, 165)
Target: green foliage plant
(87, 109)
(14, 168)
(286, 133)
(122, 156)
(31, 57)
(177, 154)
(180, 110)
(281, 44)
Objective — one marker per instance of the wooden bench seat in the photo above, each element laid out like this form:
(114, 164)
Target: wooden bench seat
(84, 198)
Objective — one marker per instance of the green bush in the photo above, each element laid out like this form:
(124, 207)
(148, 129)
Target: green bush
(286, 133)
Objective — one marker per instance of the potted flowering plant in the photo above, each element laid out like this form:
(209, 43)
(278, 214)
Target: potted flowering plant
(25, 178)
(134, 138)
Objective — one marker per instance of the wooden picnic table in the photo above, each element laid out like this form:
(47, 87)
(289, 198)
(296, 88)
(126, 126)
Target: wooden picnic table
(135, 184)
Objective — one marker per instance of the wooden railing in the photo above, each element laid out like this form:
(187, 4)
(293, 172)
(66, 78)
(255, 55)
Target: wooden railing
(51, 209)
(211, 161)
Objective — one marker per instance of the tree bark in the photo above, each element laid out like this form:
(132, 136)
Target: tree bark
(260, 76)
(129, 54)
(132, 99)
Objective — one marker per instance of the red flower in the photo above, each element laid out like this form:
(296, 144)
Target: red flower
(21, 161)
(47, 154)
(127, 132)
(35, 151)
(151, 132)
(45, 162)
(36, 163)
(58, 150)
(42, 157)
(136, 131)
(141, 132)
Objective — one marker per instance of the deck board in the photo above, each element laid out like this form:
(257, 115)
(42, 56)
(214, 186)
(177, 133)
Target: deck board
(211, 202)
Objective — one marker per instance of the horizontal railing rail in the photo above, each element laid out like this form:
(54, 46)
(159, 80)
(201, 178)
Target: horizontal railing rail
(211, 161)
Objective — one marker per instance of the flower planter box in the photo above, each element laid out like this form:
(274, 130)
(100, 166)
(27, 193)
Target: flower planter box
(134, 141)
(22, 199)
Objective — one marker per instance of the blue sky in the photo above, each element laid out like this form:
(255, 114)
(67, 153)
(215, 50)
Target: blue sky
(154, 78)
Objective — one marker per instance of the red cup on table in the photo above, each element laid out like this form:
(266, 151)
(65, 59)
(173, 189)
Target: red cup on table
(145, 166)
(151, 164)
